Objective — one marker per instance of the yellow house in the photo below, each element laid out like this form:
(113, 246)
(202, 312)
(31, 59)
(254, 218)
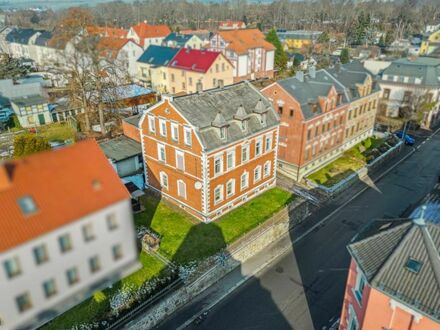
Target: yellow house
(430, 44)
(299, 38)
(193, 70)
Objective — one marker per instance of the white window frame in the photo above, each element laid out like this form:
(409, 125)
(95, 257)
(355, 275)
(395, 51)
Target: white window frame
(162, 127)
(228, 153)
(268, 145)
(180, 153)
(187, 136)
(360, 278)
(159, 148)
(245, 147)
(246, 174)
(218, 158)
(218, 189)
(181, 193)
(232, 192)
(352, 318)
(260, 143)
(175, 132)
(151, 124)
(257, 170)
(266, 169)
(163, 179)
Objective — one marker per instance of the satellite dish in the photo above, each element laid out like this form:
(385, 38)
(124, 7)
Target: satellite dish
(198, 185)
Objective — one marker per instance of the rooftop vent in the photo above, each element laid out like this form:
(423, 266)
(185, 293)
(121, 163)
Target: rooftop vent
(413, 265)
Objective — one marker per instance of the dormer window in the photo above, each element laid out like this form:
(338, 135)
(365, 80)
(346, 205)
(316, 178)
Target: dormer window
(242, 116)
(263, 119)
(221, 124)
(223, 133)
(244, 125)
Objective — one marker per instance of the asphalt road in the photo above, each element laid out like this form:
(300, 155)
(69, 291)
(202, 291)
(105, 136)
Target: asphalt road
(304, 289)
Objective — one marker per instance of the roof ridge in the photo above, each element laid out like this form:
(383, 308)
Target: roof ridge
(432, 251)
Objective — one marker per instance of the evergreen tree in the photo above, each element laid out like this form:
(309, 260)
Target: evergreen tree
(11, 68)
(29, 144)
(280, 54)
(345, 56)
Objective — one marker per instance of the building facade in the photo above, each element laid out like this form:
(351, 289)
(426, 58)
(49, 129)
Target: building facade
(362, 94)
(394, 275)
(248, 51)
(431, 44)
(298, 39)
(146, 34)
(57, 248)
(211, 151)
(181, 40)
(313, 121)
(409, 83)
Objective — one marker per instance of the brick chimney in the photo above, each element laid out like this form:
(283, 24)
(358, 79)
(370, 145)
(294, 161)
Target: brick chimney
(5, 179)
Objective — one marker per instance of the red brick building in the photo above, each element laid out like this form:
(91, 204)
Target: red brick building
(211, 151)
(312, 114)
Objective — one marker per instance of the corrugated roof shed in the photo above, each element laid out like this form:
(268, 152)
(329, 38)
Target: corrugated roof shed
(121, 148)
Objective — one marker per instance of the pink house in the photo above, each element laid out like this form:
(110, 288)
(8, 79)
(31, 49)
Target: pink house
(394, 277)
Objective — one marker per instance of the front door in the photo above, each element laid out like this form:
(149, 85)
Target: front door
(41, 119)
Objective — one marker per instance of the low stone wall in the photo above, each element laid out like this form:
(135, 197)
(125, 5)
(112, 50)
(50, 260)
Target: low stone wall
(214, 268)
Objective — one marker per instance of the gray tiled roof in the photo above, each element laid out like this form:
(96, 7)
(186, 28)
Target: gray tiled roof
(133, 120)
(309, 90)
(29, 100)
(383, 256)
(425, 68)
(121, 148)
(201, 109)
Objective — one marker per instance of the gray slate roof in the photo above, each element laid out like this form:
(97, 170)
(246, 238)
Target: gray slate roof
(382, 258)
(121, 148)
(309, 90)
(20, 36)
(29, 100)
(201, 110)
(425, 68)
(133, 120)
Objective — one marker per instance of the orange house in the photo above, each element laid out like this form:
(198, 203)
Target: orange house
(312, 114)
(211, 151)
(394, 277)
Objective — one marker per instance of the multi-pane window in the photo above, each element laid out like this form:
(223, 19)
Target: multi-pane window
(95, 264)
(218, 194)
(257, 174)
(359, 287)
(12, 267)
(187, 136)
(161, 156)
(230, 159)
(151, 124)
(218, 165)
(49, 288)
(65, 243)
(244, 180)
(230, 187)
(243, 125)
(175, 132)
(72, 275)
(258, 147)
(88, 232)
(163, 180)
(181, 189)
(163, 127)
(244, 153)
(112, 222)
(180, 160)
(117, 252)
(40, 254)
(24, 302)
(266, 169)
(268, 143)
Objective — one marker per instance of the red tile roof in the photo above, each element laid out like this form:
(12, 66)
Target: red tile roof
(232, 24)
(145, 31)
(110, 47)
(65, 184)
(107, 31)
(193, 59)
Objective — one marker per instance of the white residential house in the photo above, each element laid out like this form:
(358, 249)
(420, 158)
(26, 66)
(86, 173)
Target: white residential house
(63, 236)
(148, 34)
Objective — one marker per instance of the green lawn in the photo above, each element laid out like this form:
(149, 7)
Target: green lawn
(97, 306)
(183, 241)
(57, 132)
(351, 161)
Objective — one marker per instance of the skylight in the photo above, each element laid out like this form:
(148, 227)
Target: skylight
(413, 265)
(27, 205)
